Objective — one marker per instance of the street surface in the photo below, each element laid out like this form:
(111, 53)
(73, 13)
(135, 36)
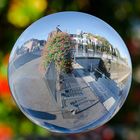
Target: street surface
(88, 99)
(31, 92)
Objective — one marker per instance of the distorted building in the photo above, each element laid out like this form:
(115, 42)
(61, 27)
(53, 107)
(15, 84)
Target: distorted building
(32, 45)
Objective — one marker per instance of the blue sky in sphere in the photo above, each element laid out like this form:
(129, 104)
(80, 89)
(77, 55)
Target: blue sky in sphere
(71, 22)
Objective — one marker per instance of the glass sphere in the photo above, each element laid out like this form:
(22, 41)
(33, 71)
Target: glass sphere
(70, 72)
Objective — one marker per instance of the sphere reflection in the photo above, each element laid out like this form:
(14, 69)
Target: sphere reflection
(70, 72)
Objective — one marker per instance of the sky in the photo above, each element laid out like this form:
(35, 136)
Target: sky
(71, 22)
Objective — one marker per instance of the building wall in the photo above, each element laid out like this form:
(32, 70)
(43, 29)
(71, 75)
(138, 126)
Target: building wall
(51, 78)
(88, 63)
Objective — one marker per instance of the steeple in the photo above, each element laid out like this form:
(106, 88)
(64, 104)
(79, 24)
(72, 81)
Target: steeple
(57, 29)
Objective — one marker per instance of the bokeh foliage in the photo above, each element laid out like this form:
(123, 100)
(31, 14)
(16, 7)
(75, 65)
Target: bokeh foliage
(122, 15)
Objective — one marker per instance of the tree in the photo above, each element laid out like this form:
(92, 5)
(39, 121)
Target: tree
(105, 45)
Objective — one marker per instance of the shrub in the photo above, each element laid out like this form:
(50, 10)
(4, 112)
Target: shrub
(58, 50)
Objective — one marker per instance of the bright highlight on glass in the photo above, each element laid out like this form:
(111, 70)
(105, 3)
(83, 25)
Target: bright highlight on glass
(70, 72)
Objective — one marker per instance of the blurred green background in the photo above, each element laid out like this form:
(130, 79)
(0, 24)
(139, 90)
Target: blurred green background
(122, 15)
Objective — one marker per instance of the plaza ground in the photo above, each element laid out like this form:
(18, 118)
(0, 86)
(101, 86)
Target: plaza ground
(33, 93)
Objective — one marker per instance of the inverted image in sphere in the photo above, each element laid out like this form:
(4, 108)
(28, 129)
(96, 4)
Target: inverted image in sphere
(69, 72)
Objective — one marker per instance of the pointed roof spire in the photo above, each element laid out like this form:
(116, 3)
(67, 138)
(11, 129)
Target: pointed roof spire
(57, 28)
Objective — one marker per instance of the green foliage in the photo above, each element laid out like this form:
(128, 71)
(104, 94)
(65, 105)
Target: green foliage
(105, 45)
(58, 50)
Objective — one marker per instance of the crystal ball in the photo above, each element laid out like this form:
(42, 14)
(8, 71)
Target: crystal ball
(69, 72)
